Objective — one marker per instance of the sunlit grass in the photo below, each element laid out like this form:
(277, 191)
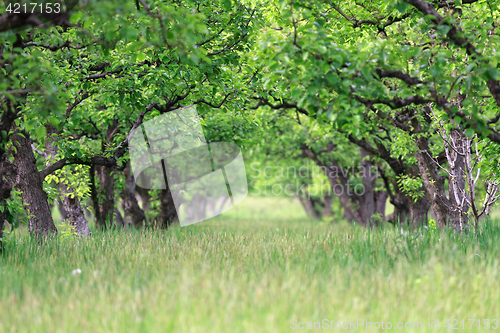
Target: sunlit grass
(243, 272)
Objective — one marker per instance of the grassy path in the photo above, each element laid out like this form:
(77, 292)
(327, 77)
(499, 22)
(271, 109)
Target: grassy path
(245, 273)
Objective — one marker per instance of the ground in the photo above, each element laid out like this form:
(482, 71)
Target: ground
(261, 268)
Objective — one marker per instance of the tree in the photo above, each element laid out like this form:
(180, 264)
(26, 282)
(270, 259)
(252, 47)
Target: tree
(103, 73)
(375, 70)
(350, 175)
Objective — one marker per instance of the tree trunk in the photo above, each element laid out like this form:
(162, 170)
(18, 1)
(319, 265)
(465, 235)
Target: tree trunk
(105, 197)
(10, 112)
(359, 207)
(71, 208)
(366, 200)
(419, 211)
(145, 196)
(60, 207)
(327, 205)
(433, 182)
(129, 201)
(406, 210)
(456, 180)
(308, 206)
(168, 214)
(93, 197)
(29, 182)
(401, 203)
(120, 222)
(5, 189)
(341, 192)
(2, 219)
(380, 202)
(74, 210)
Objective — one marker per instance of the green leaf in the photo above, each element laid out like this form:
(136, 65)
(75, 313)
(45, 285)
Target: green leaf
(141, 57)
(40, 132)
(469, 132)
(401, 6)
(443, 29)
(470, 67)
(493, 73)
(435, 71)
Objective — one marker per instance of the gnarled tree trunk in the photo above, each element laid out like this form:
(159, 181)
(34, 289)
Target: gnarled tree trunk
(366, 200)
(74, 210)
(380, 198)
(433, 182)
(104, 197)
(60, 207)
(5, 189)
(168, 213)
(406, 210)
(419, 211)
(29, 182)
(456, 179)
(129, 201)
(359, 207)
(120, 222)
(71, 208)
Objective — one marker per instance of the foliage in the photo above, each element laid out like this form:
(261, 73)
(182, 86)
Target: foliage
(14, 211)
(412, 186)
(279, 78)
(67, 231)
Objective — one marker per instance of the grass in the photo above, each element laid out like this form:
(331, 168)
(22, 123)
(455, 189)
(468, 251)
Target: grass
(252, 270)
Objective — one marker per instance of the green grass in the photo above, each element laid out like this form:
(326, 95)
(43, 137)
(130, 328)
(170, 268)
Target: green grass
(251, 270)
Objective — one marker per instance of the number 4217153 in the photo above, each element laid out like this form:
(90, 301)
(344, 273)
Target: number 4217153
(454, 324)
(33, 7)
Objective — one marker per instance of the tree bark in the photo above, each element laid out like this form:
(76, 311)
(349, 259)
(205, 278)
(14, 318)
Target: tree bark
(168, 213)
(405, 209)
(366, 201)
(380, 202)
(346, 199)
(71, 208)
(5, 189)
(129, 201)
(29, 182)
(2, 219)
(433, 182)
(359, 207)
(74, 210)
(62, 211)
(105, 197)
(456, 180)
(93, 196)
(120, 222)
(145, 197)
(10, 112)
(419, 211)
